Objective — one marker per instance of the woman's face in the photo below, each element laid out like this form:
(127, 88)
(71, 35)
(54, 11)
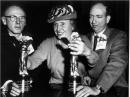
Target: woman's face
(63, 29)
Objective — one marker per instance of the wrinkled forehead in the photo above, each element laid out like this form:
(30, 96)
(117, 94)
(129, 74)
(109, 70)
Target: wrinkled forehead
(98, 8)
(14, 10)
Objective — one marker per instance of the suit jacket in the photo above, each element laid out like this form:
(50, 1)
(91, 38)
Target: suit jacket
(110, 67)
(10, 54)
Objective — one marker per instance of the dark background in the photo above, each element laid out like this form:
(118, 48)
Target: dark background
(37, 13)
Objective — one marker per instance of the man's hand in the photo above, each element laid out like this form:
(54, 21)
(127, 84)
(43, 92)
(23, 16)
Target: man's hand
(85, 91)
(15, 90)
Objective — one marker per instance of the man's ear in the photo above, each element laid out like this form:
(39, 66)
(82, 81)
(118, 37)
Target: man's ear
(108, 18)
(4, 20)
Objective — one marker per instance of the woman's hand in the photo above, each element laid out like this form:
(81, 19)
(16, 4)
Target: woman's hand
(78, 47)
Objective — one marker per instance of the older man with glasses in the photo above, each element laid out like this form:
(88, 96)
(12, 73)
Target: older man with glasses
(14, 20)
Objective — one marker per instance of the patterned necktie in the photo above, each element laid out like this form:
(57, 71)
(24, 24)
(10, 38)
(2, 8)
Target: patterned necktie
(95, 42)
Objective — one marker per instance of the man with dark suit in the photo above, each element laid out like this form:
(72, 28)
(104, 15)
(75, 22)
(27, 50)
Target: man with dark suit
(110, 45)
(14, 22)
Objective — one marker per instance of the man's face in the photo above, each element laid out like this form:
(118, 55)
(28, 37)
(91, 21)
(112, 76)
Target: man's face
(63, 28)
(14, 19)
(98, 19)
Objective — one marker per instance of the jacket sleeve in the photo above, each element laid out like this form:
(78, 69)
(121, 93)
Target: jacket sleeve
(116, 63)
(39, 55)
(93, 57)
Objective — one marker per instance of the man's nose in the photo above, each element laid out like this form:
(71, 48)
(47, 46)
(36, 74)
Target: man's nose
(18, 20)
(93, 20)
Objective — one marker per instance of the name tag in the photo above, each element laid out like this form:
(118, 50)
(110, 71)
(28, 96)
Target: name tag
(101, 45)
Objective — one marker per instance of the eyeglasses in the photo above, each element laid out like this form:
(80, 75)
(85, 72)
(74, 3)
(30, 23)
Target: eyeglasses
(14, 18)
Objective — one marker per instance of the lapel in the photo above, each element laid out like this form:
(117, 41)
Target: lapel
(110, 33)
(90, 37)
(107, 33)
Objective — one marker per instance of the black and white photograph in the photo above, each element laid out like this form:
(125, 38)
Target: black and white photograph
(67, 48)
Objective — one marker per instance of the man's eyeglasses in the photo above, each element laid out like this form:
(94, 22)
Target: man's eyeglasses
(15, 18)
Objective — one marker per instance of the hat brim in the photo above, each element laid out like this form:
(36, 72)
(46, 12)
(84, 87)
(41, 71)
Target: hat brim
(66, 17)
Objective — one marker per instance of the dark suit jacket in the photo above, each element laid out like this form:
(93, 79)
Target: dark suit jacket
(112, 61)
(10, 53)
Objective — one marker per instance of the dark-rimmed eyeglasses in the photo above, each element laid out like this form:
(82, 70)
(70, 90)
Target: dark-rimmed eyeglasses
(14, 18)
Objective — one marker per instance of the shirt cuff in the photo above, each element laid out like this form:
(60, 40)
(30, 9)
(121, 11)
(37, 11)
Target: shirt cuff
(99, 87)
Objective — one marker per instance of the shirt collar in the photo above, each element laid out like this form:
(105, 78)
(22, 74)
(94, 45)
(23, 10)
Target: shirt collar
(18, 37)
(101, 34)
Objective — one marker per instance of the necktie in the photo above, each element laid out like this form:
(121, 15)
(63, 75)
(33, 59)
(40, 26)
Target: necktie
(95, 42)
